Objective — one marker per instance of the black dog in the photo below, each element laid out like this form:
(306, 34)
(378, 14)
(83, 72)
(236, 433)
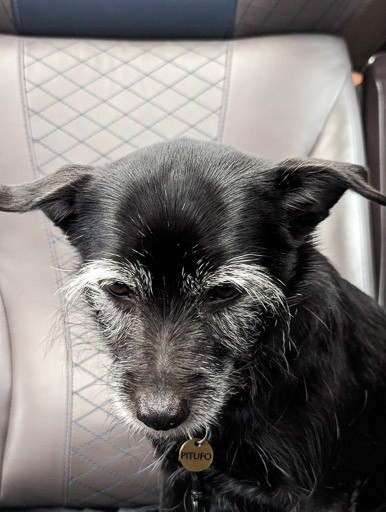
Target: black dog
(217, 311)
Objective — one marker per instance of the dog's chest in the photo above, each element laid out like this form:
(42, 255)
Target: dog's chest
(245, 484)
(248, 482)
(244, 494)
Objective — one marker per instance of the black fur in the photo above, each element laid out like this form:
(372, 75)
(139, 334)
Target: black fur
(289, 370)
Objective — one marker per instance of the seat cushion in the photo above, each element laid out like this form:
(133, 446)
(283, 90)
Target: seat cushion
(92, 101)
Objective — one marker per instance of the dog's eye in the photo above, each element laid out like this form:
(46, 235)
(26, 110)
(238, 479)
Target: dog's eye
(119, 290)
(222, 293)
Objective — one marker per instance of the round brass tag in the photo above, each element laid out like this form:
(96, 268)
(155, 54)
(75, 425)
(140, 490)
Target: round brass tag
(195, 457)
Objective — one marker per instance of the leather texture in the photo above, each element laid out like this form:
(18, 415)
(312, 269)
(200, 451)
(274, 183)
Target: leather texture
(92, 101)
(7, 20)
(298, 99)
(375, 124)
(267, 17)
(27, 288)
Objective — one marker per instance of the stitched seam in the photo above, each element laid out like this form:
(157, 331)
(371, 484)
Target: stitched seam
(330, 112)
(355, 156)
(226, 91)
(26, 123)
(355, 128)
(382, 256)
(53, 254)
(68, 434)
(19, 57)
(365, 243)
(10, 401)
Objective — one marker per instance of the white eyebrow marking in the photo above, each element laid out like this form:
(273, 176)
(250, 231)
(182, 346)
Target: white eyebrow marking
(251, 278)
(240, 272)
(96, 274)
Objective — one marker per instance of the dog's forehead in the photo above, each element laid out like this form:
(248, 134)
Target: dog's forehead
(172, 206)
(173, 214)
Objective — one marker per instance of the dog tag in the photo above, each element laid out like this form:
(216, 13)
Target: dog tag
(195, 456)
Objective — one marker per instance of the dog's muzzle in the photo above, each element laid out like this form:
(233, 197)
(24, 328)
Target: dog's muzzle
(161, 414)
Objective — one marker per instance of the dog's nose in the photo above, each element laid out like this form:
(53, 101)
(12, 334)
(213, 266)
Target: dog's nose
(162, 417)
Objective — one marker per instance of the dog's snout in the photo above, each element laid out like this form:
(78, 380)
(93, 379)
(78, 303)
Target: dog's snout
(159, 416)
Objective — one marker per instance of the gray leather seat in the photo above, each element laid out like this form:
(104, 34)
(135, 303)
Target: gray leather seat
(88, 101)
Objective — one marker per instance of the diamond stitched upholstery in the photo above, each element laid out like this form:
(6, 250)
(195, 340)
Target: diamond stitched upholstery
(90, 101)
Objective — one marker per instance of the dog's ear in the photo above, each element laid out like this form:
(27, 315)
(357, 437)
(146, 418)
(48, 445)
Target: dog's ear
(54, 194)
(310, 187)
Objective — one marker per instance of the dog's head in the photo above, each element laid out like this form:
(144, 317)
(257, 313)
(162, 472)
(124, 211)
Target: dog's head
(189, 253)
